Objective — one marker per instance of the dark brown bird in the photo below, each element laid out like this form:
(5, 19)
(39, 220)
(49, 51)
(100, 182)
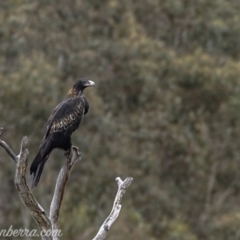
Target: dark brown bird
(63, 121)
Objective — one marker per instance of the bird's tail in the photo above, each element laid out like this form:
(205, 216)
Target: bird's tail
(37, 166)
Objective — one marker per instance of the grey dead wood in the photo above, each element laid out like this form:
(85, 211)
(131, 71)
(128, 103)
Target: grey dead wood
(60, 187)
(36, 210)
(49, 224)
(122, 187)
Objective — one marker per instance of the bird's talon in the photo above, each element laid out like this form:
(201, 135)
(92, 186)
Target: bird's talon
(67, 153)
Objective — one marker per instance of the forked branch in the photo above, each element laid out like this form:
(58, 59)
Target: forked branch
(49, 224)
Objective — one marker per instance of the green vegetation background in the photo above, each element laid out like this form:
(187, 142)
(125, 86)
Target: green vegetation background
(165, 110)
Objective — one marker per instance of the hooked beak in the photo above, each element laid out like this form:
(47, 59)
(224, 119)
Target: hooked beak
(90, 84)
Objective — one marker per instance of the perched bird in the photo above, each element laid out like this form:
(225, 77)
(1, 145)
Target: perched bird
(63, 121)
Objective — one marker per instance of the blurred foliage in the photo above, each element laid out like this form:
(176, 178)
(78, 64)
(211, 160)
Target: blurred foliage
(165, 111)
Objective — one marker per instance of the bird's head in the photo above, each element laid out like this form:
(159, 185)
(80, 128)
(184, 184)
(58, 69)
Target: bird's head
(79, 86)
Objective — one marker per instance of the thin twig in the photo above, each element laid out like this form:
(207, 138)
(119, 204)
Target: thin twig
(6, 147)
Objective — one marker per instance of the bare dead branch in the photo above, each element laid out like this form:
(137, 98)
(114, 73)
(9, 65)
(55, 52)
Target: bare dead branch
(7, 148)
(65, 171)
(26, 195)
(122, 187)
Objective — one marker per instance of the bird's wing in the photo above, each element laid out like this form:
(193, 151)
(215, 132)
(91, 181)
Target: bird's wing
(66, 117)
(51, 119)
